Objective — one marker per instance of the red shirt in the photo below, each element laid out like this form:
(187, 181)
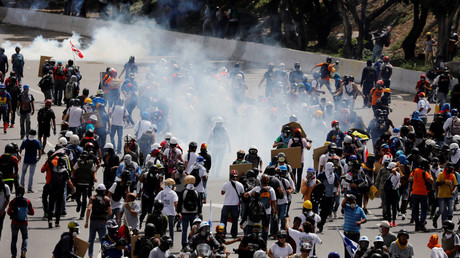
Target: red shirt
(30, 211)
(59, 77)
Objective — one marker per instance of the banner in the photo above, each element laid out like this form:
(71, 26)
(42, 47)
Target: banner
(351, 245)
(76, 50)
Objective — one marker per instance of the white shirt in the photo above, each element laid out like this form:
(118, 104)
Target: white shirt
(302, 237)
(425, 105)
(231, 197)
(4, 194)
(75, 114)
(157, 253)
(118, 114)
(304, 145)
(316, 217)
(114, 204)
(141, 127)
(190, 158)
(201, 173)
(395, 180)
(281, 252)
(438, 252)
(272, 196)
(168, 197)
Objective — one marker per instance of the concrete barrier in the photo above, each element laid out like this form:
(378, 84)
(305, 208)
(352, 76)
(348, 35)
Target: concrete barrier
(402, 79)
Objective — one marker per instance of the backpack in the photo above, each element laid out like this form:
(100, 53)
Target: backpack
(324, 71)
(5, 166)
(296, 142)
(14, 91)
(190, 200)
(45, 83)
(386, 73)
(21, 207)
(455, 126)
(99, 205)
(143, 247)
(196, 173)
(265, 197)
(396, 144)
(255, 211)
(18, 60)
(70, 90)
(60, 70)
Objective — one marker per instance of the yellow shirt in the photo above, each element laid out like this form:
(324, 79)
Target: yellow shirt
(445, 190)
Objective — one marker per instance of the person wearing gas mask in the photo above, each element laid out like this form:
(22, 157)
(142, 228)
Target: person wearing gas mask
(401, 247)
(158, 218)
(33, 153)
(446, 183)
(253, 157)
(172, 155)
(240, 158)
(375, 94)
(377, 250)
(252, 242)
(111, 162)
(117, 193)
(151, 185)
(169, 198)
(112, 243)
(363, 246)
(219, 142)
(84, 173)
(65, 247)
(354, 217)
(130, 166)
(331, 182)
(335, 135)
(163, 249)
(454, 154)
(130, 213)
(450, 240)
(204, 236)
(282, 141)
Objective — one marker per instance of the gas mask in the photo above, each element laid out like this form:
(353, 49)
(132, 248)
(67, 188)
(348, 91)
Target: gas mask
(189, 187)
(281, 159)
(337, 127)
(352, 205)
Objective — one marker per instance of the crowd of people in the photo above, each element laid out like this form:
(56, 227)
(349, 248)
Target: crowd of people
(152, 188)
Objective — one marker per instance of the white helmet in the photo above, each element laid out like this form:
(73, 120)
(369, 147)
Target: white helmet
(108, 146)
(391, 165)
(100, 187)
(168, 136)
(456, 138)
(219, 119)
(364, 238)
(378, 239)
(260, 254)
(348, 139)
(239, 77)
(156, 146)
(430, 142)
(68, 134)
(74, 139)
(453, 146)
(62, 141)
(173, 140)
(93, 117)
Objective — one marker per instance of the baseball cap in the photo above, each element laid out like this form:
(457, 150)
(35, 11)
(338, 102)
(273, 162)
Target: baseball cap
(384, 223)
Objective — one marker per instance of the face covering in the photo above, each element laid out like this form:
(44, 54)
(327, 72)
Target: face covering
(353, 205)
(380, 230)
(31, 137)
(189, 187)
(169, 187)
(337, 127)
(129, 203)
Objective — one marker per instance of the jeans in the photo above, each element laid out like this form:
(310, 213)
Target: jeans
(445, 207)
(442, 98)
(391, 204)
(59, 86)
(376, 52)
(119, 130)
(56, 197)
(187, 220)
(115, 214)
(417, 201)
(95, 226)
(234, 210)
(25, 166)
(205, 186)
(81, 196)
(14, 238)
(171, 220)
(25, 120)
(282, 210)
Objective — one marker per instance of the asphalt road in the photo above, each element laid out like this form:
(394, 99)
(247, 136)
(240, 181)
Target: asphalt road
(42, 240)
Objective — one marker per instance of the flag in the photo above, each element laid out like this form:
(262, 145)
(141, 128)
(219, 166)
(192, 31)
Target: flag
(210, 215)
(351, 245)
(76, 50)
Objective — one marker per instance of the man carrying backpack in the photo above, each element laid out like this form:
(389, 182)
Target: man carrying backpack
(59, 73)
(26, 110)
(199, 172)
(17, 60)
(71, 89)
(158, 218)
(44, 118)
(325, 71)
(84, 174)
(9, 165)
(233, 191)
(33, 153)
(386, 70)
(189, 206)
(452, 126)
(98, 210)
(46, 84)
(18, 210)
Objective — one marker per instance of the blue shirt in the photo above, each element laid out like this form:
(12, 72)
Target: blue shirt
(351, 217)
(31, 147)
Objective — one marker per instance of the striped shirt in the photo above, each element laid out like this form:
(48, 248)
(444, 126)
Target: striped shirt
(351, 217)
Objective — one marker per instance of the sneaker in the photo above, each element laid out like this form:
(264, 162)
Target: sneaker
(78, 208)
(423, 229)
(335, 214)
(57, 225)
(81, 217)
(50, 224)
(394, 224)
(366, 211)
(12, 126)
(4, 131)
(30, 191)
(204, 201)
(23, 254)
(403, 216)
(179, 229)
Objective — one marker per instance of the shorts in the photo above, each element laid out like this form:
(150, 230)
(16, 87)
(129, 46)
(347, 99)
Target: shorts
(44, 131)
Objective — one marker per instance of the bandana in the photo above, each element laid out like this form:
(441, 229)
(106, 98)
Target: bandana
(402, 247)
(434, 242)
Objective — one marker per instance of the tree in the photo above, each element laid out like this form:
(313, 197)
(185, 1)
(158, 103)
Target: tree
(444, 10)
(420, 14)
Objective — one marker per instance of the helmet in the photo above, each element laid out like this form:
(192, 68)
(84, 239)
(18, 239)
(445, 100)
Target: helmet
(168, 136)
(204, 146)
(250, 173)
(150, 230)
(456, 138)
(170, 181)
(108, 146)
(112, 224)
(173, 140)
(448, 225)
(332, 147)
(100, 187)
(25, 87)
(197, 220)
(307, 205)
(203, 224)
(378, 239)
(234, 173)
(74, 225)
(391, 165)
(2, 86)
(388, 90)
(297, 65)
(352, 158)
(264, 179)
(403, 232)
(454, 112)
(131, 59)
(74, 139)
(298, 131)
(328, 59)
(453, 146)
(193, 145)
(189, 180)
(364, 238)
(430, 142)
(293, 118)
(62, 141)
(200, 159)
(271, 65)
(113, 72)
(219, 119)
(428, 34)
(259, 254)
(399, 153)
(88, 145)
(348, 139)
(333, 255)
(334, 122)
(220, 228)
(158, 205)
(9, 148)
(88, 101)
(380, 82)
(145, 115)
(48, 102)
(386, 59)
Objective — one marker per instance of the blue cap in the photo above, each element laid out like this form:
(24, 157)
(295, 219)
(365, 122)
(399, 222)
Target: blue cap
(25, 87)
